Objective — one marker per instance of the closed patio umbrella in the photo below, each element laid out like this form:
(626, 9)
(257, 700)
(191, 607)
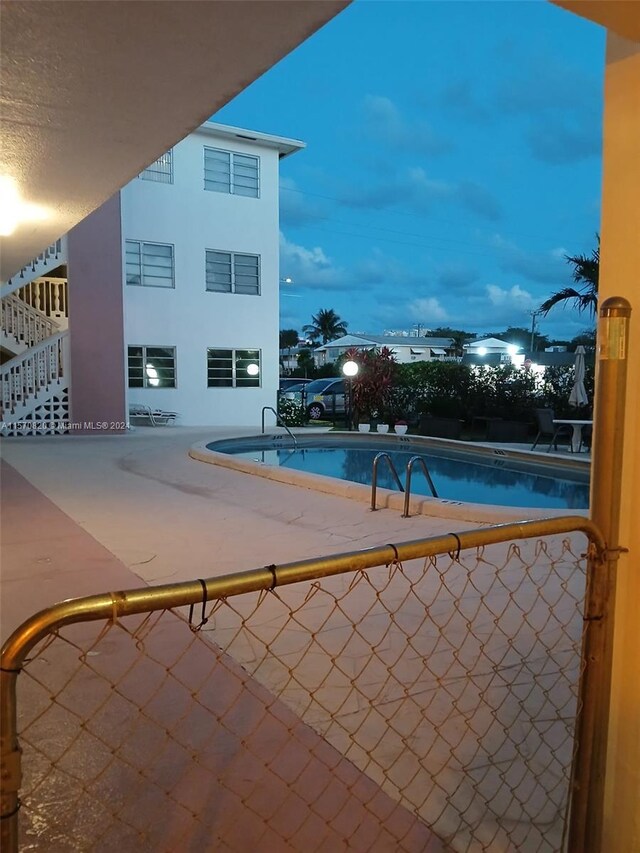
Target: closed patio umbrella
(578, 395)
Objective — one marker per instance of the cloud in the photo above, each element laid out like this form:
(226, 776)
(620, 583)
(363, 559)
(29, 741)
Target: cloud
(384, 122)
(543, 84)
(416, 189)
(478, 199)
(295, 209)
(310, 268)
(561, 108)
(543, 267)
(565, 139)
(459, 99)
(404, 314)
(455, 276)
(427, 310)
(380, 268)
(515, 297)
(410, 187)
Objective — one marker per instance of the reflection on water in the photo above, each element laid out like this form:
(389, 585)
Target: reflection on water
(494, 482)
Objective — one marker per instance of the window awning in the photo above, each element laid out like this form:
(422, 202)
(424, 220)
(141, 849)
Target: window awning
(437, 351)
(418, 351)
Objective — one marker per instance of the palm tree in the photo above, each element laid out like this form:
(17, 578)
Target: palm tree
(586, 270)
(326, 326)
(288, 339)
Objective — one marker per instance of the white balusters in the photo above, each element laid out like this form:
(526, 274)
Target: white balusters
(49, 295)
(26, 325)
(25, 375)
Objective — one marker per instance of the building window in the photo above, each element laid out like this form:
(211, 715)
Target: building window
(230, 272)
(151, 367)
(229, 172)
(161, 170)
(233, 368)
(149, 264)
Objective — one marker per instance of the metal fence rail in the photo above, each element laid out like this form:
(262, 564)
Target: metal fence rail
(405, 697)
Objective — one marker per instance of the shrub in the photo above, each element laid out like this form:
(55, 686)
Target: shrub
(291, 412)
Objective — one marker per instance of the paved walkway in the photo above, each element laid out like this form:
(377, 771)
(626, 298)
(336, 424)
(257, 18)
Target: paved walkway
(167, 517)
(86, 515)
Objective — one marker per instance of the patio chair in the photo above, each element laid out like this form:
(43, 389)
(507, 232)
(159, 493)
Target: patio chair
(547, 429)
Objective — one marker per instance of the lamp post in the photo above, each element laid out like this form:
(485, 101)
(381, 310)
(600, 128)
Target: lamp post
(534, 314)
(350, 369)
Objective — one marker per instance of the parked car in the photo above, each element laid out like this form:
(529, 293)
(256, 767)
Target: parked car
(320, 397)
(288, 382)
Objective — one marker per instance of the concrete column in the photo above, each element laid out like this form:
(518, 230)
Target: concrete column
(620, 276)
(96, 322)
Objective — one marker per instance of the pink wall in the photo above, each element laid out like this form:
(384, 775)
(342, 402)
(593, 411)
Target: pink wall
(96, 322)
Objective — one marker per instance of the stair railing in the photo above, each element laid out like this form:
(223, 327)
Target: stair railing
(25, 324)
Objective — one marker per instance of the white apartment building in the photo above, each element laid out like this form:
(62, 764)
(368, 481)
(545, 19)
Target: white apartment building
(192, 246)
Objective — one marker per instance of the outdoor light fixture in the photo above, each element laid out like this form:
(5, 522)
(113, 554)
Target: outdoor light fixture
(512, 349)
(350, 369)
(482, 350)
(253, 369)
(13, 209)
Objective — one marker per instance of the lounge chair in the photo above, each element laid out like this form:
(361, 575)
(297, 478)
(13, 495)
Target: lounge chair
(155, 417)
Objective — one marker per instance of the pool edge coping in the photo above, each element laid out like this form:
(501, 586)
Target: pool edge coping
(386, 498)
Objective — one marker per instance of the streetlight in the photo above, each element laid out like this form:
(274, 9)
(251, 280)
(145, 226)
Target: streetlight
(350, 369)
(288, 280)
(534, 314)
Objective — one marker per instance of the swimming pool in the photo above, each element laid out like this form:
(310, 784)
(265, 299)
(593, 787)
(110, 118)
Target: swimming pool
(460, 472)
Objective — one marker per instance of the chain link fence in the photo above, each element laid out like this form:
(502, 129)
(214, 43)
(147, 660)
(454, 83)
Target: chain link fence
(429, 705)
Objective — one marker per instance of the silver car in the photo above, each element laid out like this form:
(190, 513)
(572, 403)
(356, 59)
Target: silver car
(320, 397)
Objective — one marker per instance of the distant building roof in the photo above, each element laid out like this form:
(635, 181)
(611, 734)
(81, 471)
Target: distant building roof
(558, 359)
(390, 341)
(493, 343)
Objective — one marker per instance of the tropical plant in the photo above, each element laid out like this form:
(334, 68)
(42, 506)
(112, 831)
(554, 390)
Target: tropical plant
(325, 326)
(458, 337)
(291, 412)
(586, 270)
(305, 361)
(373, 385)
(288, 339)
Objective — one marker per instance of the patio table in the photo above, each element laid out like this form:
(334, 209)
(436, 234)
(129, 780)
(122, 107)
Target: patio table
(576, 438)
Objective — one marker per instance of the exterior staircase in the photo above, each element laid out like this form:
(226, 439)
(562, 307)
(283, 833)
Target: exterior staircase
(34, 348)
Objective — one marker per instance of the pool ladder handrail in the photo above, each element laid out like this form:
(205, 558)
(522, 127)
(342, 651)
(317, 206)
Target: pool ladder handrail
(278, 421)
(407, 488)
(407, 492)
(374, 476)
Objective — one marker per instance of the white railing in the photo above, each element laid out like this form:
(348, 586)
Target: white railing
(52, 257)
(26, 325)
(48, 295)
(24, 376)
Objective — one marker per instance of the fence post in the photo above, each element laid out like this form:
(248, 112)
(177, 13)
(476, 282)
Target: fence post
(587, 799)
(11, 766)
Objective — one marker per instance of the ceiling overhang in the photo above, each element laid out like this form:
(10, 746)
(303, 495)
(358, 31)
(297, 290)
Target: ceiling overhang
(620, 16)
(93, 91)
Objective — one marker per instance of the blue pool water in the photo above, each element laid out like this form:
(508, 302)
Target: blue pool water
(459, 476)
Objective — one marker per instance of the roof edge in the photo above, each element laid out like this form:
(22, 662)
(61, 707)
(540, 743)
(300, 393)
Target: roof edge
(282, 144)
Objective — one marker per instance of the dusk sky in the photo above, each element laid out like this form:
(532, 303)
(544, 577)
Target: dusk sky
(452, 160)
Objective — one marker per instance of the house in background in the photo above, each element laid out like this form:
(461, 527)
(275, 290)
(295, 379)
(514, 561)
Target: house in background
(405, 349)
(491, 351)
(190, 251)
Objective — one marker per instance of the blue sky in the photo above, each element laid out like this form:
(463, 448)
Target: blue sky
(452, 160)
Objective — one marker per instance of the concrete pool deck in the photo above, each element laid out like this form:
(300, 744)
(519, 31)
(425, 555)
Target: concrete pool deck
(167, 517)
(89, 514)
